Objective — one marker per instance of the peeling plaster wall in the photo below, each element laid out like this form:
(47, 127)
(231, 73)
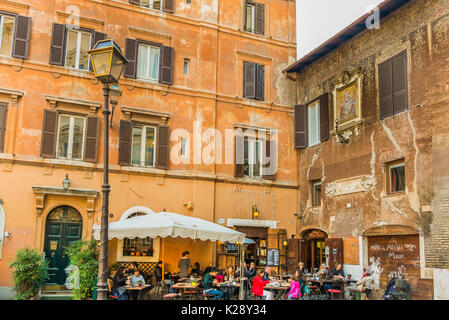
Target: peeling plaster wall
(417, 135)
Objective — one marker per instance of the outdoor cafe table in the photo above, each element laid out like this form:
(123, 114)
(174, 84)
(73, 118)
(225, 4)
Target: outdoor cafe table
(278, 289)
(228, 287)
(141, 289)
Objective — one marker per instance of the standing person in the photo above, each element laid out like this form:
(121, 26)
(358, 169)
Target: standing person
(158, 272)
(259, 285)
(209, 282)
(294, 288)
(196, 271)
(300, 268)
(184, 265)
(252, 271)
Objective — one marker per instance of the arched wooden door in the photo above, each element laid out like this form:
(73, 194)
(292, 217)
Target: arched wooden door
(64, 226)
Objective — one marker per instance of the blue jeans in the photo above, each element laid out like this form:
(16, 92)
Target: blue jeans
(218, 294)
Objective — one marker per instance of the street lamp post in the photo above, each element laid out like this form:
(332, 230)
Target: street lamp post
(108, 63)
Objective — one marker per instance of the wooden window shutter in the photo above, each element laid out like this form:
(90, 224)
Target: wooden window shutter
(125, 143)
(169, 6)
(249, 80)
(3, 112)
(96, 36)
(166, 65)
(301, 136)
(385, 90)
(260, 86)
(400, 87)
(91, 142)
(49, 133)
(57, 44)
(135, 2)
(239, 156)
(131, 55)
(267, 172)
(245, 12)
(260, 19)
(324, 117)
(335, 246)
(163, 140)
(22, 37)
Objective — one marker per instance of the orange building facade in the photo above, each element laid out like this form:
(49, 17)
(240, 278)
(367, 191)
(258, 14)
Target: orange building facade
(200, 74)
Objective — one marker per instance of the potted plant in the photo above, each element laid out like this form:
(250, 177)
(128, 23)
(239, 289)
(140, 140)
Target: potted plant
(133, 251)
(139, 283)
(144, 252)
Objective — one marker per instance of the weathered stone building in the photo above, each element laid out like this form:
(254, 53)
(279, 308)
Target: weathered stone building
(185, 82)
(383, 165)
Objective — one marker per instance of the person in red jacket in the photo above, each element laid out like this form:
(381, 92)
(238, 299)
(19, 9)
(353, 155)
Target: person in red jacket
(259, 284)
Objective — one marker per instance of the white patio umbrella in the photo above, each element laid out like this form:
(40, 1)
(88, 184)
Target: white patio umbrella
(167, 224)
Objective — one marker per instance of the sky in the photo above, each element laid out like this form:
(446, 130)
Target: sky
(319, 20)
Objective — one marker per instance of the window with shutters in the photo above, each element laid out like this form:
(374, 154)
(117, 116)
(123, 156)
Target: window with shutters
(148, 62)
(314, 123)
(252, 157)
(77, 46)
(253, 81)
(70, 137)
(143, 146)
(6, 34)
(395, 177)
(316, 192)
(152, 4)
(255, 17)
(393, 86)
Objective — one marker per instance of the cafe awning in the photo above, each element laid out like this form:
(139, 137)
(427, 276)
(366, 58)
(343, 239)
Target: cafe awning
(167, 224)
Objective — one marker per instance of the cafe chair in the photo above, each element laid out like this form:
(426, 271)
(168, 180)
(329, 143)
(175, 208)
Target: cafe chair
(172, 296)
(161, 288)
(336, 292)
(111, 295)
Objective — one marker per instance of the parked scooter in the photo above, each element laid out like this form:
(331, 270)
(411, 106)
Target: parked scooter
(397, 289)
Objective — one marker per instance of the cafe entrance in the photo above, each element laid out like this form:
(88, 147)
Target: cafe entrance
(313, 249)
(256, 252)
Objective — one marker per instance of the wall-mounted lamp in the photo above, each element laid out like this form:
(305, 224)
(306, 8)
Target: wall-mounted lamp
(256, 212)
(66, 182)
(7, 235)
(114, 94)
(298, 215)
(342, 139)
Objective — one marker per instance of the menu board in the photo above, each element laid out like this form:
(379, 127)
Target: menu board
(231, 248)
(273, 258)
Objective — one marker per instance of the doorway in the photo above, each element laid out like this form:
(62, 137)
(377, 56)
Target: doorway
(313, 249)
(63, 227)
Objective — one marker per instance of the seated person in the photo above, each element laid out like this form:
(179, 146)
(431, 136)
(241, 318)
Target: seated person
(209, 282)
(365, 284)
(135, 280)
(294, 288)
(259, 285)
(196, 270)
(322, 273)
(119, 282)
(337, 272)
(229, 274)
